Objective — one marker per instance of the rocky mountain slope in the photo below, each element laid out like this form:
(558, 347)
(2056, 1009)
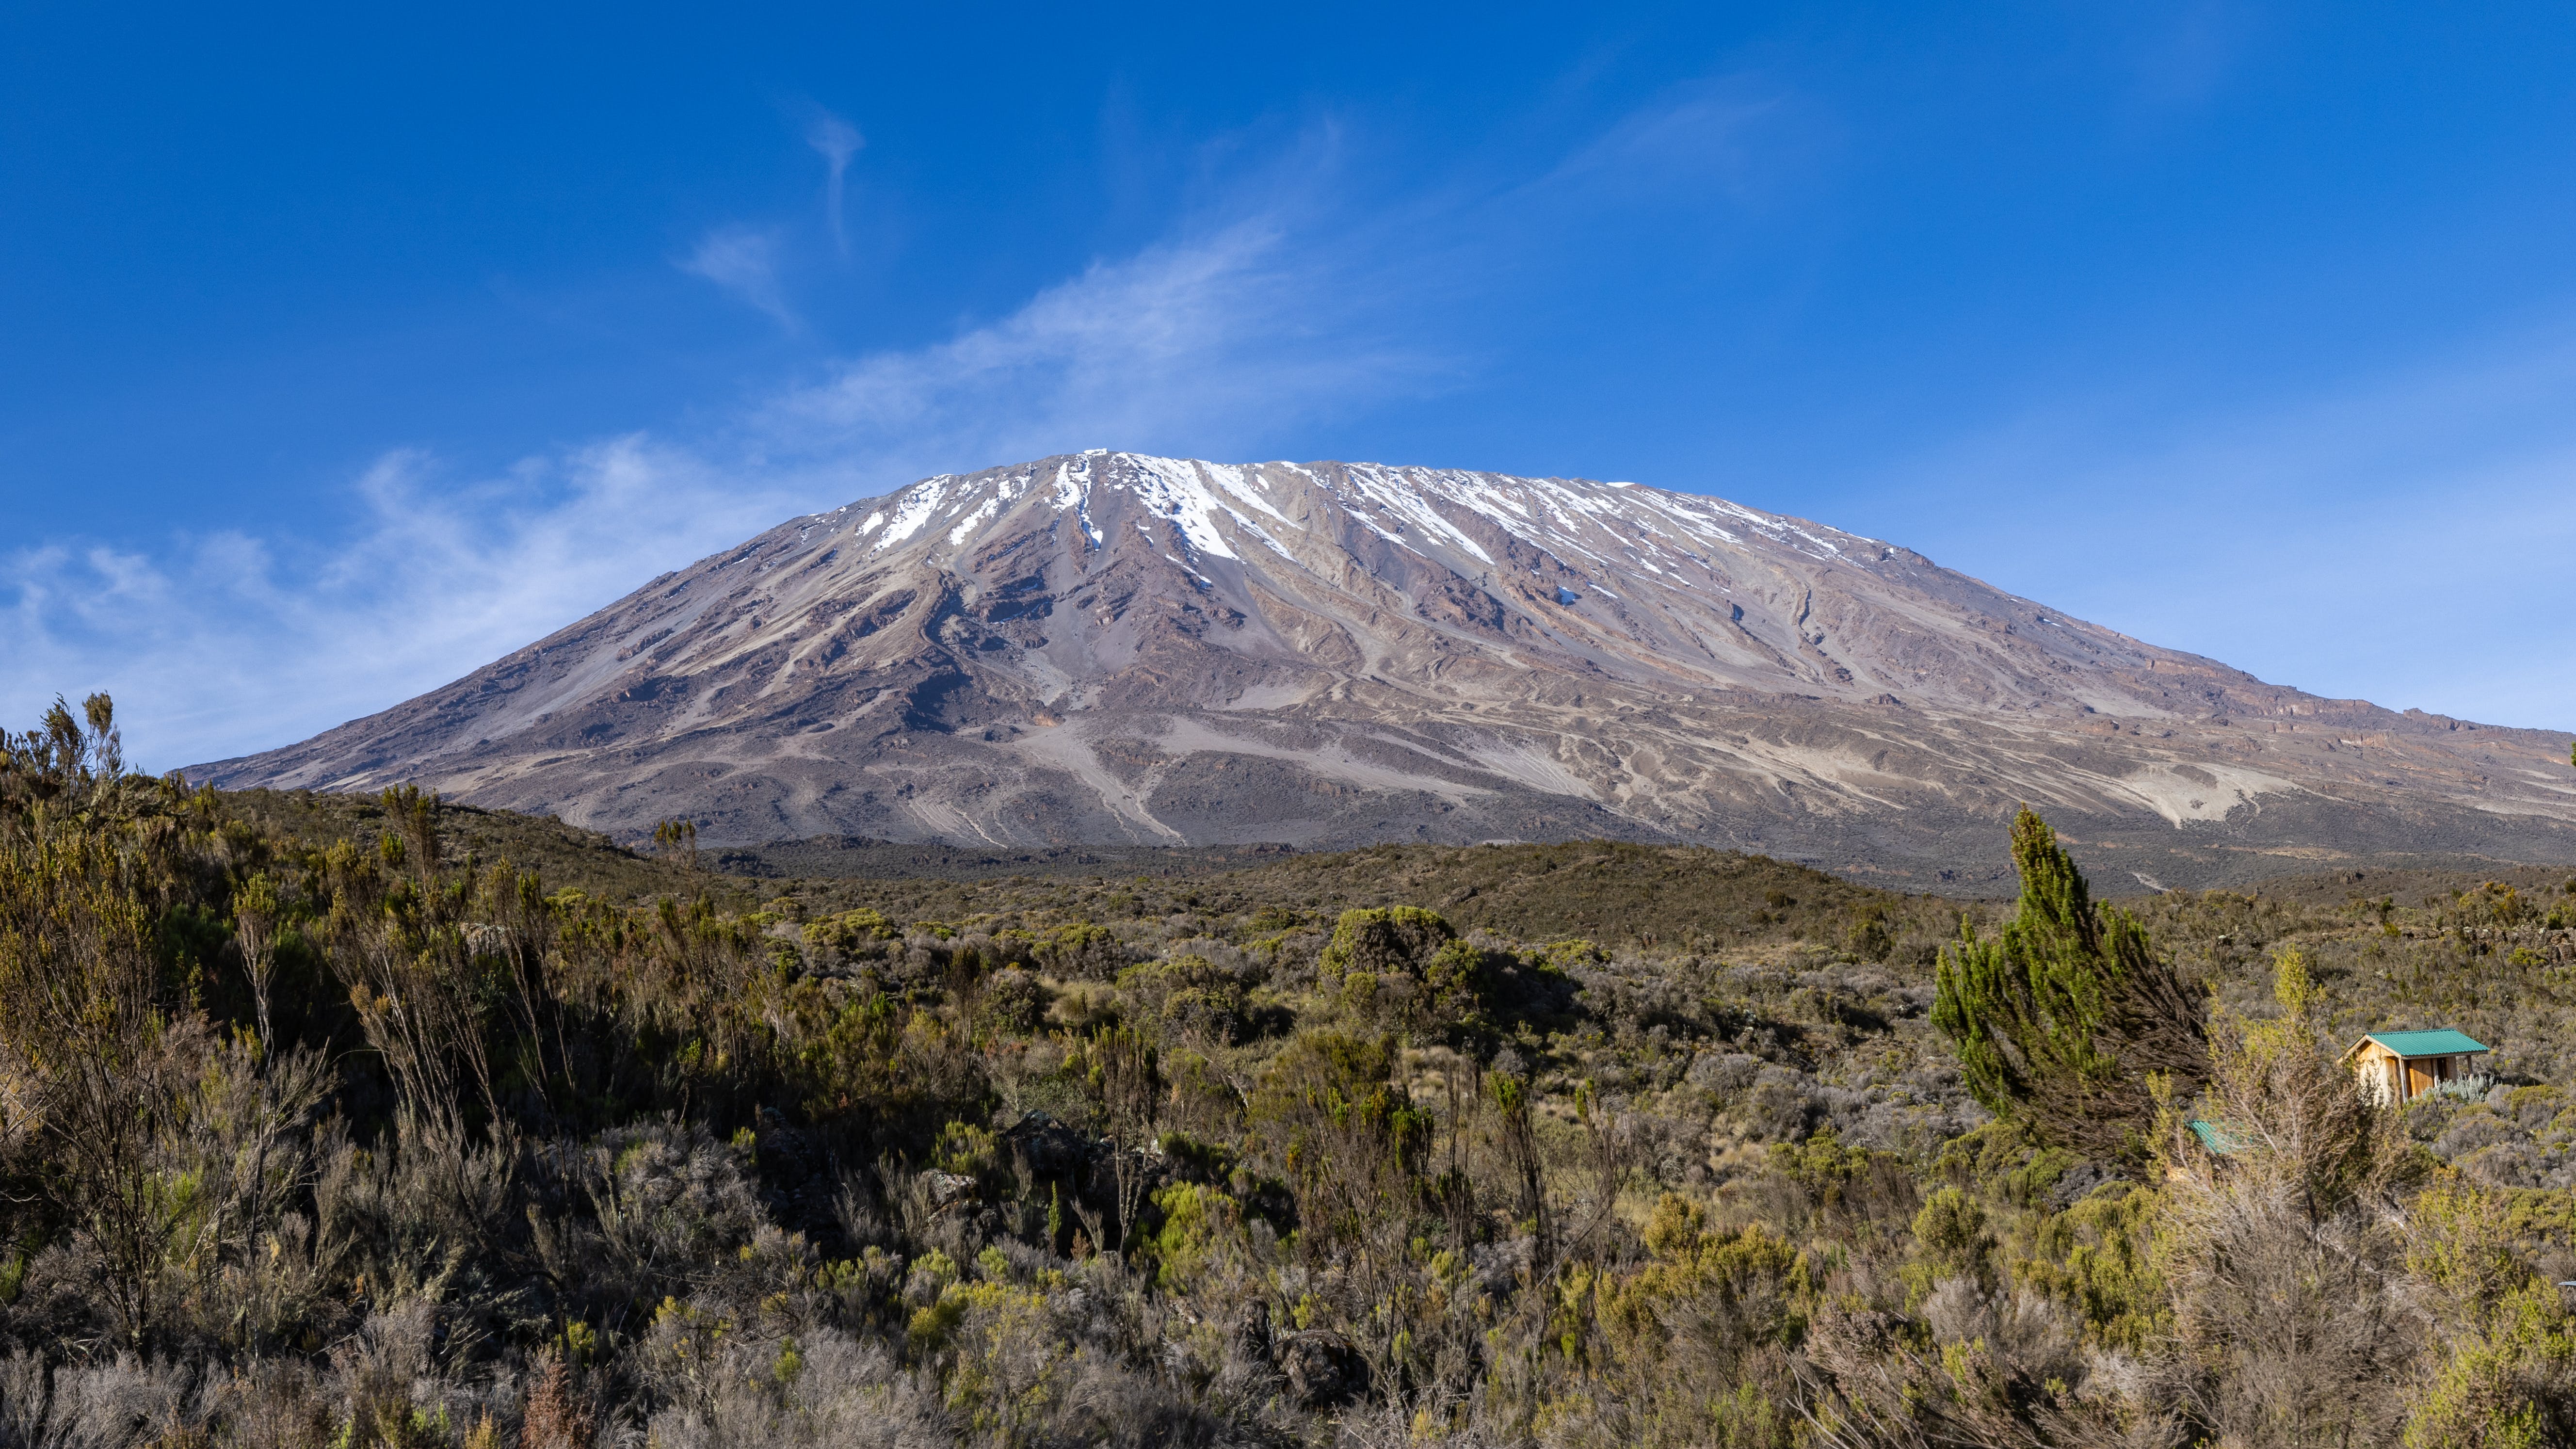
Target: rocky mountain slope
(1110, 648)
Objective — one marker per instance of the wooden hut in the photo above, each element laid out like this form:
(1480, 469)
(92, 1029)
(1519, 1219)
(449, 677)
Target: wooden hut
(2399, 1066)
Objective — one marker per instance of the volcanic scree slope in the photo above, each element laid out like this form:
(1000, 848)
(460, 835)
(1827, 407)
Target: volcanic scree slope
(1106, 647)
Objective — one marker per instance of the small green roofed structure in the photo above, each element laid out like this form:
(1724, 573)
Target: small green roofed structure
(2215, 1136)
(2399, 1066)
(2217, 1139)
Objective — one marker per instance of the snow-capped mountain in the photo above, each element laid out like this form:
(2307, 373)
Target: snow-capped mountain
(1106, 647)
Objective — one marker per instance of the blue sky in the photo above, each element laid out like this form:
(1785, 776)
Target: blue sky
(340, 353)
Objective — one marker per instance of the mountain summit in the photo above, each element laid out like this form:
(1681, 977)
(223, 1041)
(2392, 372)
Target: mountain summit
(1106, 647)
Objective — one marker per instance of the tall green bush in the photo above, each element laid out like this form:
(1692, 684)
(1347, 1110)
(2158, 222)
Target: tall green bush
(2061, 1017)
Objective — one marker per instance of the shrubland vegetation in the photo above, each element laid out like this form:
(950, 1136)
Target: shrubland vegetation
(340, 1122)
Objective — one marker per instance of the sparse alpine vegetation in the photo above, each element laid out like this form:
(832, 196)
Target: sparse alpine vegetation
(378, 1121)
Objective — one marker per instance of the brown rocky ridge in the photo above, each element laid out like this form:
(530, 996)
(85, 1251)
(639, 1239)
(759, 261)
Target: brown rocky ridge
(1111, 648)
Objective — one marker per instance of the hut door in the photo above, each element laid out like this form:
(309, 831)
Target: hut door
(2419, 1077)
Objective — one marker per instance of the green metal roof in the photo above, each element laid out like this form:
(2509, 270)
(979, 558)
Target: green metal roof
(2443, 1043)
(2215, 1137)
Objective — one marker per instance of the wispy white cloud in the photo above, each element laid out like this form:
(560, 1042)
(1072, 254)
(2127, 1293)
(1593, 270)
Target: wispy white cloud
(1221, 342)
(744, 261)
(228, 643)
(836, 141)
(1229, 339)
(1732, 136)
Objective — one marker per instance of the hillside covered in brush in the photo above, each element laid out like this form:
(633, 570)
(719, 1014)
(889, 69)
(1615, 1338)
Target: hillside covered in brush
(338, 1121)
